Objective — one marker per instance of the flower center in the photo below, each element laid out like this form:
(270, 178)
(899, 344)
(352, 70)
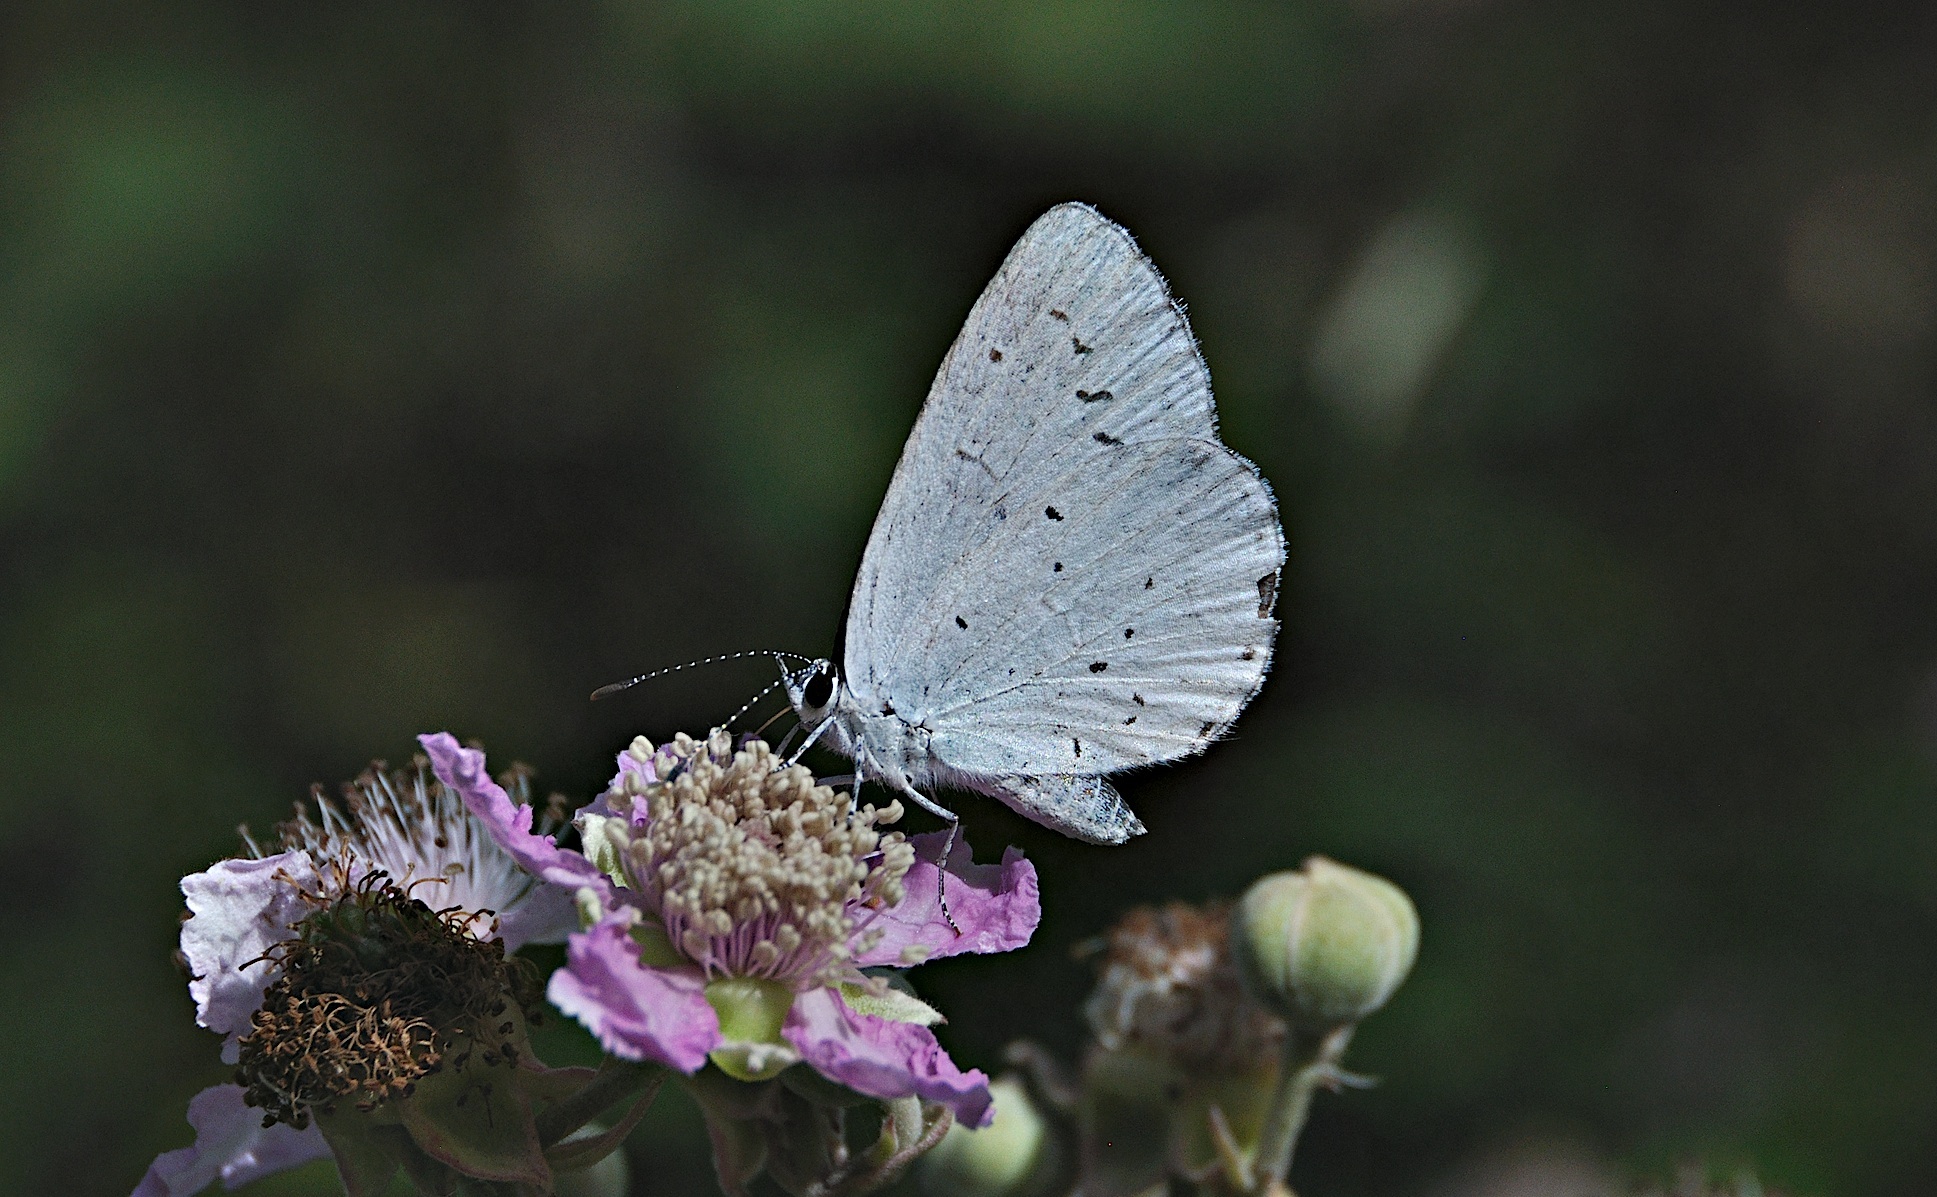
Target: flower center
(407, 824)
(756, 870)
(376, 992)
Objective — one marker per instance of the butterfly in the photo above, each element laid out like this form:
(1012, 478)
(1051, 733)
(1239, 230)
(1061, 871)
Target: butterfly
(1071, 575)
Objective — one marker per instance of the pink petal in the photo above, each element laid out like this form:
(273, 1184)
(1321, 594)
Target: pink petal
(462, 769)
(231, 1145)
(996, 906)
(545, 914)
(239, 909)
(637, 1012)
(881, 1058)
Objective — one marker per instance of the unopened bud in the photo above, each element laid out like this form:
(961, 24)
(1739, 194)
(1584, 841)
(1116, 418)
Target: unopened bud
(1324, 946)
(1006, 1158)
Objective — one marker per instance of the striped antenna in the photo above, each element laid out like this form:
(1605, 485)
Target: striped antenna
(607, 691)
(748, 705)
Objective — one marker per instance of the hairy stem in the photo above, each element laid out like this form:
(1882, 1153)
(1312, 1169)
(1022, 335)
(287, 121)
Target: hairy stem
(1308, 1062)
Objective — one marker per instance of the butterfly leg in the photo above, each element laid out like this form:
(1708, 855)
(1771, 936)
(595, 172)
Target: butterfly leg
(809, 742)
(954, 822)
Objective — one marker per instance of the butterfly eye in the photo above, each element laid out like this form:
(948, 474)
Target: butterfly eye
(819, 690)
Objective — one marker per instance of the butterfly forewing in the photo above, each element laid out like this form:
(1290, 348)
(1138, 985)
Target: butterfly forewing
(1075, 336)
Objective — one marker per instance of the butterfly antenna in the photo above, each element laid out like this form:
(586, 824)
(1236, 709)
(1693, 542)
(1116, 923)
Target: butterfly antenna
(607, 691)
(748, 705)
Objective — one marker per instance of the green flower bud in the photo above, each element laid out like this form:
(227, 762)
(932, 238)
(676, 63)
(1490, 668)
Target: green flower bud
(1006, 1157)
(1324, 946)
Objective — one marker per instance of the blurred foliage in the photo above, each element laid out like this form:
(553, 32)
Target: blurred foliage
(372, 369)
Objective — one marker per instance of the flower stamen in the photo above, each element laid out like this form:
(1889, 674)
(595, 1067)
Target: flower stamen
(754, 869)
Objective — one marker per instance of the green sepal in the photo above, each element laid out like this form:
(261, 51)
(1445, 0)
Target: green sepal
(552, 1084)
(895, 1005)
(734, 1113)
(817, 1089)
(479, 1122)
(1240, 1100)
(600, 838)
(367, 1154)
(587, 1146)
(655, 947)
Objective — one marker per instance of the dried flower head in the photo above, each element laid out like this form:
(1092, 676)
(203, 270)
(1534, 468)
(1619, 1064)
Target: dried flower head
(363, 951)
(376, 992)
(1166, 982)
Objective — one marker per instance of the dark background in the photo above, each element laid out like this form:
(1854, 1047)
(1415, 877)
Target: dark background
(374, 369)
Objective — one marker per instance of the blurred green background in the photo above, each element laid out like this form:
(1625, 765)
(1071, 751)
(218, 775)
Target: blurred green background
(372, 369)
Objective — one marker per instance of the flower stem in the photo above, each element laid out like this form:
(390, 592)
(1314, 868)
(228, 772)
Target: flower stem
(1307, 1062)
(615, 1081)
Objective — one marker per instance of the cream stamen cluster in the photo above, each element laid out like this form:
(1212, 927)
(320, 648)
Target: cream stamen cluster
(755, 869)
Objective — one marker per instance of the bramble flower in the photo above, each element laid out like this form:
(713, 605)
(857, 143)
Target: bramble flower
(365, 956)
(732, 905)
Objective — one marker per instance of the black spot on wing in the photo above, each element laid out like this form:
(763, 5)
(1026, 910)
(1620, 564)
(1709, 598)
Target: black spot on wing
(1098, 666)
(1138, 699)
(1077, 745)
(1249, 654)
(1052, 513)
(1129, 632)
(1059, 567)
(1078, 345)
(1104, 438)
(1149, 582)
(1267, 593)
(1059, 314)
(1129, 721)
(1210, 725)
(1094, 396)
(961, 623)
(995, 355)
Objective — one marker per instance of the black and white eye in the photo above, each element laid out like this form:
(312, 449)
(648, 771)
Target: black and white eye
(818, 694)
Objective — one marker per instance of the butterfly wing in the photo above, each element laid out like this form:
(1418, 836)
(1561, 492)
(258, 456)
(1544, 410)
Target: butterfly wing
(1070, 575)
